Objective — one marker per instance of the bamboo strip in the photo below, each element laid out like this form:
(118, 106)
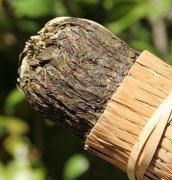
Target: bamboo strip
(148, 83)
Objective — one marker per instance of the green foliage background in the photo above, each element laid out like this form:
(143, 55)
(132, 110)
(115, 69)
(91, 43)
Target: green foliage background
(33, 148)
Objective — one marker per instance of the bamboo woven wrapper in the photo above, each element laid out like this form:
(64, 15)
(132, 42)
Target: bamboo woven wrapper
(71, 84)
(148, 83)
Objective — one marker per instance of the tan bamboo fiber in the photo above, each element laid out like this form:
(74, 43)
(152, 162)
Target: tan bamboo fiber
(142, 91)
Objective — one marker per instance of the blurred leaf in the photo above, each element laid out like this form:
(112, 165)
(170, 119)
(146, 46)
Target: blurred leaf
(17, 127)
(92, 2)
(2, 172)
(32, 8)
(39, 174)
(13, 125)
(15, 97)
(28, 25)
(75, 167)
(169, 59)
(17, 146)
(159, 8)
(59, 9)
(18, 171)
(4, 22)
(120, 9)
(49, 123)
(141, 45)
(108, 4)
(134, 15)
(2, 130)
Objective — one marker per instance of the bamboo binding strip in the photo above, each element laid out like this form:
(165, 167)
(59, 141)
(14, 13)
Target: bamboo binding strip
(118, 131)
(149, 139)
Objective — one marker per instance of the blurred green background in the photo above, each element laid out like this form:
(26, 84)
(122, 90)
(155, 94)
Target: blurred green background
(33, 148)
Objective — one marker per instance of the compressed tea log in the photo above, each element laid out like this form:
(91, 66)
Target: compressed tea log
(116, 99)
(70, 70)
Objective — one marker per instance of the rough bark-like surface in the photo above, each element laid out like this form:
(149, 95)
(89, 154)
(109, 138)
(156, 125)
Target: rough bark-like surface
(71, 69)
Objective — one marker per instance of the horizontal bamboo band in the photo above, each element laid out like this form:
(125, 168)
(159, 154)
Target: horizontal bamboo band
(144, 149)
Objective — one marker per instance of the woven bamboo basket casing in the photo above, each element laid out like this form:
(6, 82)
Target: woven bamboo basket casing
(147, 84)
